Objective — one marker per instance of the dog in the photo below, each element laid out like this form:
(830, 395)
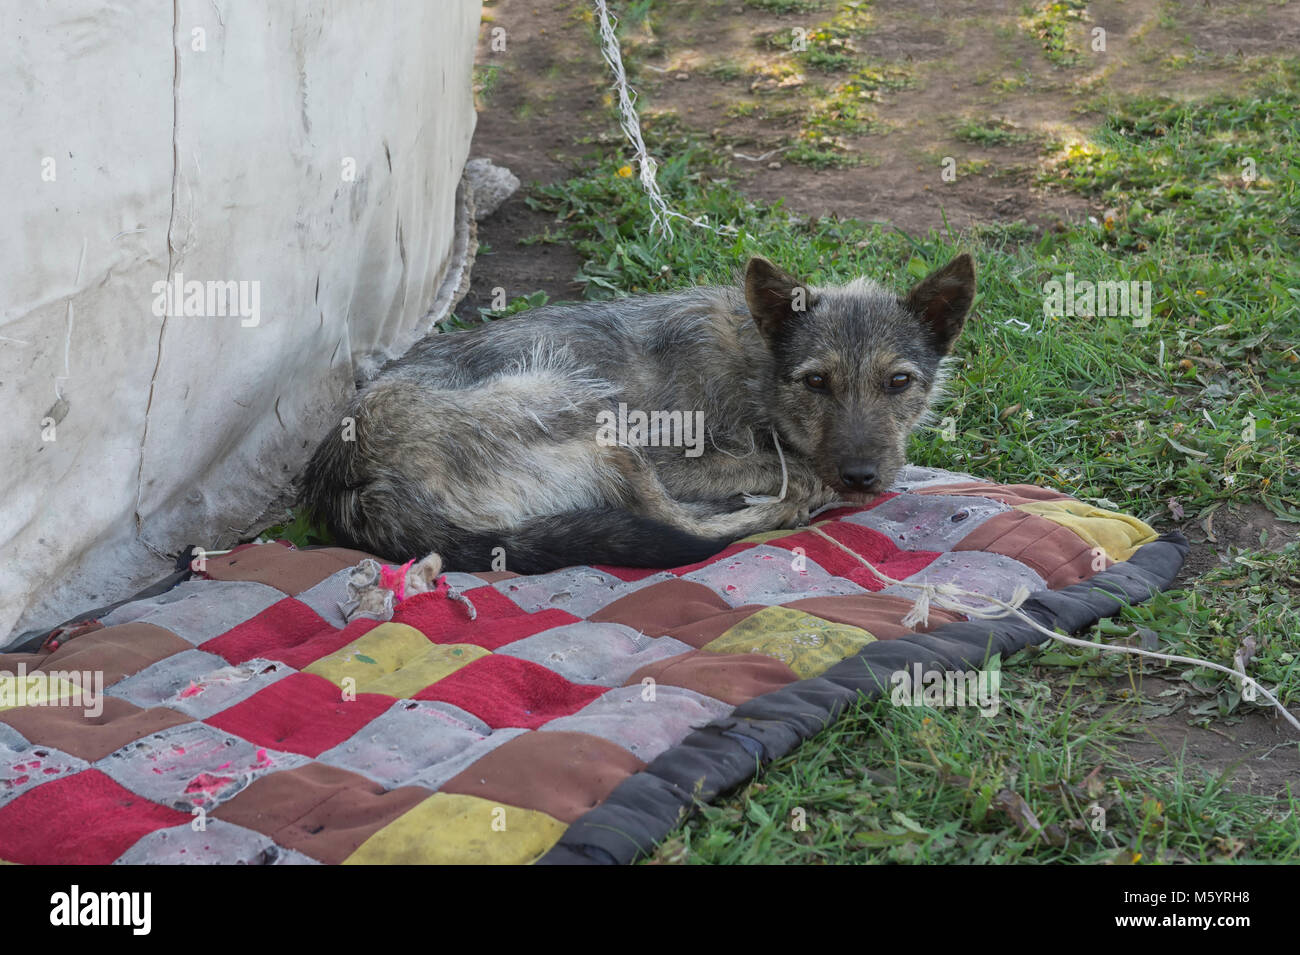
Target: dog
(649, 431)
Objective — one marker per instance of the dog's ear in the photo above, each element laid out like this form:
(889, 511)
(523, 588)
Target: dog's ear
(942, 299)
(773, 295)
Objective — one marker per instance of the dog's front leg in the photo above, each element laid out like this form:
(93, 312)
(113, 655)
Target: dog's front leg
(722, 477)
(648, 494)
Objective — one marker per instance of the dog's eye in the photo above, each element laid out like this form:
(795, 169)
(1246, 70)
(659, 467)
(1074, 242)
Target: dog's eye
(899, 382)
(815, 381)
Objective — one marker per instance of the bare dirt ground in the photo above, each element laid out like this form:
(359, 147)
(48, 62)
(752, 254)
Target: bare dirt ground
(1240, 749)
(709, 68)
(545, 108)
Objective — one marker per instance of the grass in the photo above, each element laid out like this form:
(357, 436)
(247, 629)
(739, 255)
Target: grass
(1183, 418)
(992, 133)
(1218, 173)
(1148, 419)
(1054, 24)
(487, 77)
(786, 6)
(1046, 780)
(845, 109)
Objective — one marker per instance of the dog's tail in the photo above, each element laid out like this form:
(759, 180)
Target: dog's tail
(611, 536)
(384, 514)
(349, 491)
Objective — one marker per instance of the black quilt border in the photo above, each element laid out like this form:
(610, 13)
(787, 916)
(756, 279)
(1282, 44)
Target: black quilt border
(649, 805)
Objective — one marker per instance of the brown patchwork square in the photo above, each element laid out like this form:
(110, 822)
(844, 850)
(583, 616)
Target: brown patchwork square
(734, 678)
(1054, 552)
(660, 608)
(321, 811)
(881, 616)
(287, 570)
(559, 773)
(118, 652)
(90, 737)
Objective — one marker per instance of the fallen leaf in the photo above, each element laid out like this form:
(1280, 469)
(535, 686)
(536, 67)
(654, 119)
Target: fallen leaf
(1018, 810)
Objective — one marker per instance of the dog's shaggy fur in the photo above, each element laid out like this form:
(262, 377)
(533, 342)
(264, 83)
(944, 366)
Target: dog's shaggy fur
(487, 442)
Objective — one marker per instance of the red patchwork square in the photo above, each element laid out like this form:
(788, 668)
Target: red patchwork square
(507, 691)
(88, 818)
(876, 547)
(839, 513)
(499, 619)
(302, 713)
(286, 623)
(324, 643)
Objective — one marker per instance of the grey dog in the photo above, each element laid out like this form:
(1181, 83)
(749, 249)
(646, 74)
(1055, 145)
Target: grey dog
(646, 432)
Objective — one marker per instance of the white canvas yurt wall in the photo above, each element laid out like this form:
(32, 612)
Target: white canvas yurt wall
(306, 152)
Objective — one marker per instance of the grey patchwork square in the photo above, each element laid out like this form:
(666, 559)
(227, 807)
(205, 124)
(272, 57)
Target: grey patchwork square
(198, 683)
(602, 654)
(768, 575)
(407, 740)
(198, 610)
(645, 721)
(440, 772)
(977, 571)
(326, 596)
(458, 581)
(219, 843)
(192, 765)
(935, 522)
(579, 590)
(910, 477)
(24, 766)
(11, 739)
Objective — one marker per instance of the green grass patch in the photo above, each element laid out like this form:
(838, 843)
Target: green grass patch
(828, 59)
(1055, 25)
(725, 70)
(787, 6)
(1219, 173)
(487, 77)
(300, 530)
(992, 133)
(1044, 780)
(1180, 417)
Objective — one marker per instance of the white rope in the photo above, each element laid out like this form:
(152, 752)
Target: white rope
(945, 596)
(785, 480)
(660, 214)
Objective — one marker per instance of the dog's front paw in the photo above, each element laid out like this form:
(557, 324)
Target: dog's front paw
(792, 514)
(822, 497)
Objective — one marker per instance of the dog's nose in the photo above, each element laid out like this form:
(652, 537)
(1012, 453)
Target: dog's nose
(858, 475)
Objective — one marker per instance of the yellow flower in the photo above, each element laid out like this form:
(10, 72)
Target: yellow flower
(625, 172)
(1200, 291)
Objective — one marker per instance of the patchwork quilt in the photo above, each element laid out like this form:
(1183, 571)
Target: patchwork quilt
(569, 717)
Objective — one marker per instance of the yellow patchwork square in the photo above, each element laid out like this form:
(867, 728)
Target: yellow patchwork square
(808, 645)
(394, 659)
(36, 689)
(1119, 535)
(449, 828)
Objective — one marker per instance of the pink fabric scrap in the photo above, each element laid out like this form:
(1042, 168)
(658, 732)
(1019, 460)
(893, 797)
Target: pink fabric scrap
(394, 579)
